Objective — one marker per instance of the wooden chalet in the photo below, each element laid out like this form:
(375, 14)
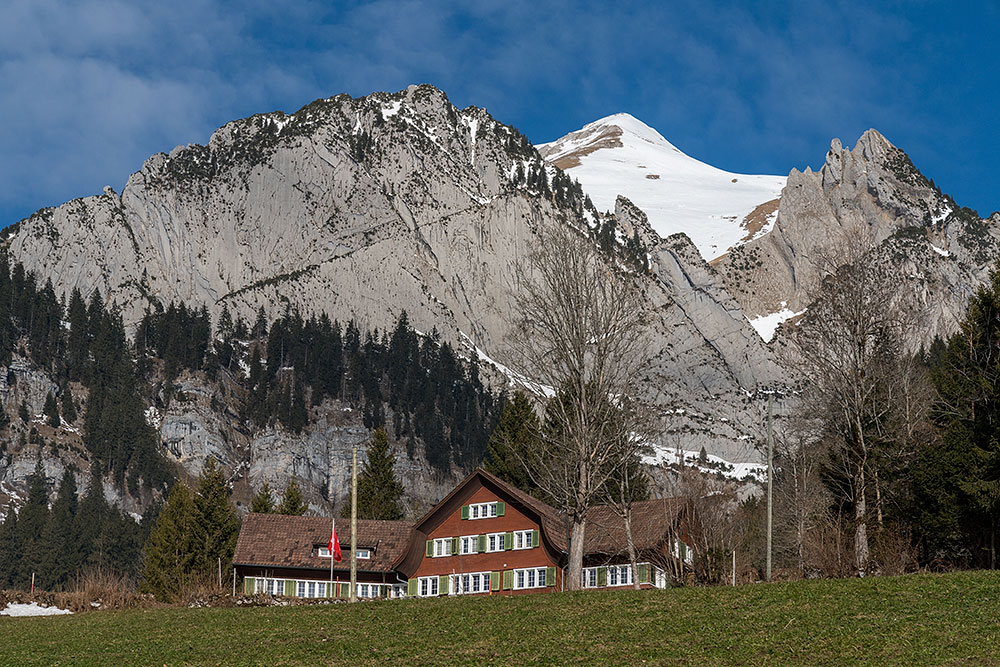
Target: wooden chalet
(484, 537)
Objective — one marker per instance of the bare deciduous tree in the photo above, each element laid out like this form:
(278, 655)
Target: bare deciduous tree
(580, 331)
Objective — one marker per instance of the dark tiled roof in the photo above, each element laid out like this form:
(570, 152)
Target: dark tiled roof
(651, 522)
(605, 532)
(277, 540)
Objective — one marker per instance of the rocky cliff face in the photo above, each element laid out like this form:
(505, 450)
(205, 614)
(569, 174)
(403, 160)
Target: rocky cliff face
(361, 208)
(875, 193)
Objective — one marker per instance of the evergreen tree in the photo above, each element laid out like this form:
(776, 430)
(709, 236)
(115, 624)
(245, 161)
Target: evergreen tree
(170, 555)
(10, 547)
(957, 481)
(62, 548)
(68, 406)
(51, 410)
(511, 440)
(22, 412)
(32, 519)
(217, 524)
(77, 346)
(263, 501)
(292, 501)
(379, 490)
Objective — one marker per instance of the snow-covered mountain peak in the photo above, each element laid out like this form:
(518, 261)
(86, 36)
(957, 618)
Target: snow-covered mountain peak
(619, 154)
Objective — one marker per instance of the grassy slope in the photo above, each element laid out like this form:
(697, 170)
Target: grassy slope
(903, 620)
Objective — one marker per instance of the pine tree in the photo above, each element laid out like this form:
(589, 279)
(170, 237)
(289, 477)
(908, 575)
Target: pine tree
(217, 522)
(31, 522)
(379, 490)
(263, 501)
(61, 556)
(170, 555)
(292, 501)
(510, 441)
(68, 407)
(51, 410)
(22, 412)
(10, 547)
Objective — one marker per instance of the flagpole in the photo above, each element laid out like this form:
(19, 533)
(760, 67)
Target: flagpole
(333, 530)
(354, 526)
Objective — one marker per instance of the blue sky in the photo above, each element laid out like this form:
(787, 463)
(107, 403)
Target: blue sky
(91, 88)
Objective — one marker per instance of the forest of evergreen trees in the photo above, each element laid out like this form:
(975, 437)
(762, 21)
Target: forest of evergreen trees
(294, 363)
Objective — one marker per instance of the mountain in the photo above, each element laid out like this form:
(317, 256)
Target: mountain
(940, 250)
(621, 155)
(360, 209)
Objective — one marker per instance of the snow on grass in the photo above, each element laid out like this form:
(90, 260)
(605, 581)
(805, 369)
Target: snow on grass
(32, 609)
(677, 192)
(766, 325)
(669, 456)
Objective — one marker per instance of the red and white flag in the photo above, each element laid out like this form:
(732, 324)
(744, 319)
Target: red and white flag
(334, 542)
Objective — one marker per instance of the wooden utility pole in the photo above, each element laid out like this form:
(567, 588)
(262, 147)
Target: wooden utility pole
(354, 526)
(770, 479)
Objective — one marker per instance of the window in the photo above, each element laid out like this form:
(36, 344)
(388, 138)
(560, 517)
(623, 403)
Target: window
(523, 539)
(397, 591)
(363, 553)
(533, 577)
(469, 544)
(494, 542)
(300, 589)
(323, 552)
(367, 591)
(275, 586)
(482, 510)
(620, 575)
(442, 547)
(590, 577)
(469, 584)
(311, 592)
(428, 587)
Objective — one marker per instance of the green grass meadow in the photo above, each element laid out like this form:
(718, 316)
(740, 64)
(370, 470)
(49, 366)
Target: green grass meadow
(917, 619)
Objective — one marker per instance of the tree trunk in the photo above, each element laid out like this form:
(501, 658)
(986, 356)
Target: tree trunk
(633, 558)
(861, 552)
(575, 569)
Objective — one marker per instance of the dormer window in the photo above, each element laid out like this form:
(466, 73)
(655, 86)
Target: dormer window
(483, 510)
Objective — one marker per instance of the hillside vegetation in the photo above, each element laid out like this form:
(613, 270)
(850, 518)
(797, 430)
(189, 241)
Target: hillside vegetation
(917, 619)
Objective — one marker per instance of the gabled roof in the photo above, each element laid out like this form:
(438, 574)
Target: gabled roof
(277, 540)
(652, 521)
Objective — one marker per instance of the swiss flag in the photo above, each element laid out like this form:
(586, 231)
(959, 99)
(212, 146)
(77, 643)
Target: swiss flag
(334, 544)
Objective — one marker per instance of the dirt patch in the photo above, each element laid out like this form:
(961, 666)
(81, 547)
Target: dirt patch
(757, 218)
(608, 137)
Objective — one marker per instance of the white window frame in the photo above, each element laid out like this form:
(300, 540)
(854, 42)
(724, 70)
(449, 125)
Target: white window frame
(470, 583)
(590, 577)
(427, 587)
(523, 539)
(495, 542)
(300, 588)
(620, 575)
(468, 544)
(483, 510)
(397, 591)
(442, 547)
(529, 577)
(363, 553)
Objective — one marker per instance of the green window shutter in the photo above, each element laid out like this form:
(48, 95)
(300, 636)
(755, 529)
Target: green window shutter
(508, 541)
(345, 590)
(644, 573)
(465, 511)
(494, 581)
(248, 585)
(443, 582)
(550, 576)
(602, 576)
(508, 579)
(482, 544)
(501, 508)
(290, 588)
(454, 546)
(534, 538)
(430, 548)
(411, 587)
